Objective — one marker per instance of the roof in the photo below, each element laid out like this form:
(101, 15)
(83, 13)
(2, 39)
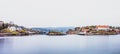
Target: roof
(85, 29)
(102, 26)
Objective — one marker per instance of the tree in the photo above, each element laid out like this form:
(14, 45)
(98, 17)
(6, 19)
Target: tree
(5, 25)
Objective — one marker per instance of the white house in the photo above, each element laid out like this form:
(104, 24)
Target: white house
(18, 28)
(12, 28)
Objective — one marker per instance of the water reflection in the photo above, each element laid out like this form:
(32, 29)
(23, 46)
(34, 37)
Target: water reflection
(71, 44)
(5, 45)
(1, 45)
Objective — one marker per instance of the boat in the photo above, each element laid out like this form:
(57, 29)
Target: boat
(82, 33)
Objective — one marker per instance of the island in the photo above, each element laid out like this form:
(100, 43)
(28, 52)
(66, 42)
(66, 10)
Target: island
(55, 33)
(11, 29)
(95, 30)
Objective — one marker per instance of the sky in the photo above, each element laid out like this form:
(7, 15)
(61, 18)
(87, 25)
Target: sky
(60, 13)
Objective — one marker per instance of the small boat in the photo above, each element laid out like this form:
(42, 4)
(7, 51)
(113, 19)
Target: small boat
(82, 33)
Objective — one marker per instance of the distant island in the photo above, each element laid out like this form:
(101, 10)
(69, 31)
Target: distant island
(95, 30)
(11, 29)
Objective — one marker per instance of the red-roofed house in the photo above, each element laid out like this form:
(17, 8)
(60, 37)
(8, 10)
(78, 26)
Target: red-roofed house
(102, 27)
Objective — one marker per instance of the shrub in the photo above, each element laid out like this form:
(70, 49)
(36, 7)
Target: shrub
(15, 33)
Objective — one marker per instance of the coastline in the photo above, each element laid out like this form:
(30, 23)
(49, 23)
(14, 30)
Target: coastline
(11, 29)
(21, 34)
(53, 35)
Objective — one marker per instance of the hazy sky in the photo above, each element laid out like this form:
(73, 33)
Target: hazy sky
(49, 13)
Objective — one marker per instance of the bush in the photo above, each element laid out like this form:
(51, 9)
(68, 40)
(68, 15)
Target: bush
(22, 31)
(15, 33)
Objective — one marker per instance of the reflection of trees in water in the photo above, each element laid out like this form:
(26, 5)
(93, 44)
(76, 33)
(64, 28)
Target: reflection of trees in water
(1, 44)
(5, 45)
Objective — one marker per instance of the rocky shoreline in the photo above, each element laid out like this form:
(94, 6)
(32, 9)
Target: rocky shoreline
(11, 29)
(20, 34)
(90, 30)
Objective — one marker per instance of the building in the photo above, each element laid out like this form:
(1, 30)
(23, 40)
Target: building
(102, 27)
(77, 29)
(12, 28)
(84, 31)
(117, 31)
(19, 28)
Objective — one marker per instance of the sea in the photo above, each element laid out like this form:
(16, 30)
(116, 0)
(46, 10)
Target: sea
(68, 44)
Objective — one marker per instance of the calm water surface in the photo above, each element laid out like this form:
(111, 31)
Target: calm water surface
(70, 44)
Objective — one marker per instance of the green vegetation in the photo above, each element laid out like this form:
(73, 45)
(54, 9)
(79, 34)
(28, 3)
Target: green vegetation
(13, 29)
(55, 33)
(5, 25)
(7, 29)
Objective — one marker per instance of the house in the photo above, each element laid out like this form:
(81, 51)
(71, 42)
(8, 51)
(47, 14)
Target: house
(117, 31)
(77, 29)
(18, 28)
(102, 27)
(84, 31)
(12, 28)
